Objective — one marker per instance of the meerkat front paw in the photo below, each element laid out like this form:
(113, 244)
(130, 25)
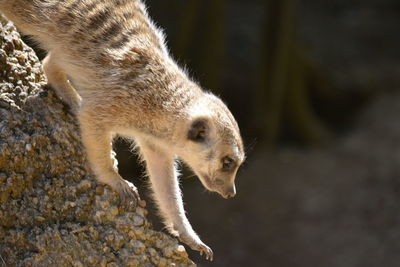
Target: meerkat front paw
(197, 244)
(204, 249)
(128, 193)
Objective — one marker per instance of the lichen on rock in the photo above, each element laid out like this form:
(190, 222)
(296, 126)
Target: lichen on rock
(52, 211)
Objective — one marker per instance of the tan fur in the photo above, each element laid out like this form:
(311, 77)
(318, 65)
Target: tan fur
(108, 62)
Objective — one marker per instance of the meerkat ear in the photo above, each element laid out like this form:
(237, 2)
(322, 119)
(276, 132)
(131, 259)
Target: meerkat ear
(199, 130)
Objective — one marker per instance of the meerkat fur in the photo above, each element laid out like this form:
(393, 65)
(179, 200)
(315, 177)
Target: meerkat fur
(109, 63)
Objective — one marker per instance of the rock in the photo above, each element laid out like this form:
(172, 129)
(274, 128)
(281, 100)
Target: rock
(52, 211)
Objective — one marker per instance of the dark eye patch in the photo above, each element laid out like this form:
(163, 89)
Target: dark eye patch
(228, 164)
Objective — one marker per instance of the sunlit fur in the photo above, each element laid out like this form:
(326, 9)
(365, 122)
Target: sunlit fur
(223, 139)
(108, 62)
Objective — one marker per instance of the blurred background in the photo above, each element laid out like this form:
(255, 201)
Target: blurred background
(314, 86)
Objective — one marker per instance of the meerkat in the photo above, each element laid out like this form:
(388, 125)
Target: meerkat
(110, 64)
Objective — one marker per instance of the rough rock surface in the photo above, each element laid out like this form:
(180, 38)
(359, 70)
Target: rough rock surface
(52, 212)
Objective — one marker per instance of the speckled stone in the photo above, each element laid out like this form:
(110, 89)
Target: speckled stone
(52, 211)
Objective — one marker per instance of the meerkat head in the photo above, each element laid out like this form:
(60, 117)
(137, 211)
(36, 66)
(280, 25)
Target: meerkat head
(212, 145)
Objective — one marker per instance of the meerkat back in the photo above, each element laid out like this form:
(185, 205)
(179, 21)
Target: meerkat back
(86, 35)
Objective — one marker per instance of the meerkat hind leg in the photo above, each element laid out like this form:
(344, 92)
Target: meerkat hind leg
(98, 144)
(58, 80)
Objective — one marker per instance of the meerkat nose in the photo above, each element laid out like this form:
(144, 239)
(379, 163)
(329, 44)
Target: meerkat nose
(231, 193)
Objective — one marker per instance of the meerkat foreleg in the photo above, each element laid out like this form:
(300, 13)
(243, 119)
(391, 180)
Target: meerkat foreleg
(98, 144)
(58, 80)
(164, 179)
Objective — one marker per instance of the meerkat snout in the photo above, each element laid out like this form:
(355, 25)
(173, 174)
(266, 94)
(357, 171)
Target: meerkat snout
(229, 192)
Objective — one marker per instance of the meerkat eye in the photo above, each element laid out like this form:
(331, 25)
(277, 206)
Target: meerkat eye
(198, 131)
(228, 164)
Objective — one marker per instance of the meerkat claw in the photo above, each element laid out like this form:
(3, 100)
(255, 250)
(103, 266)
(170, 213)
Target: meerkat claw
(199, 246)
(207, 252)
(128, 193)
